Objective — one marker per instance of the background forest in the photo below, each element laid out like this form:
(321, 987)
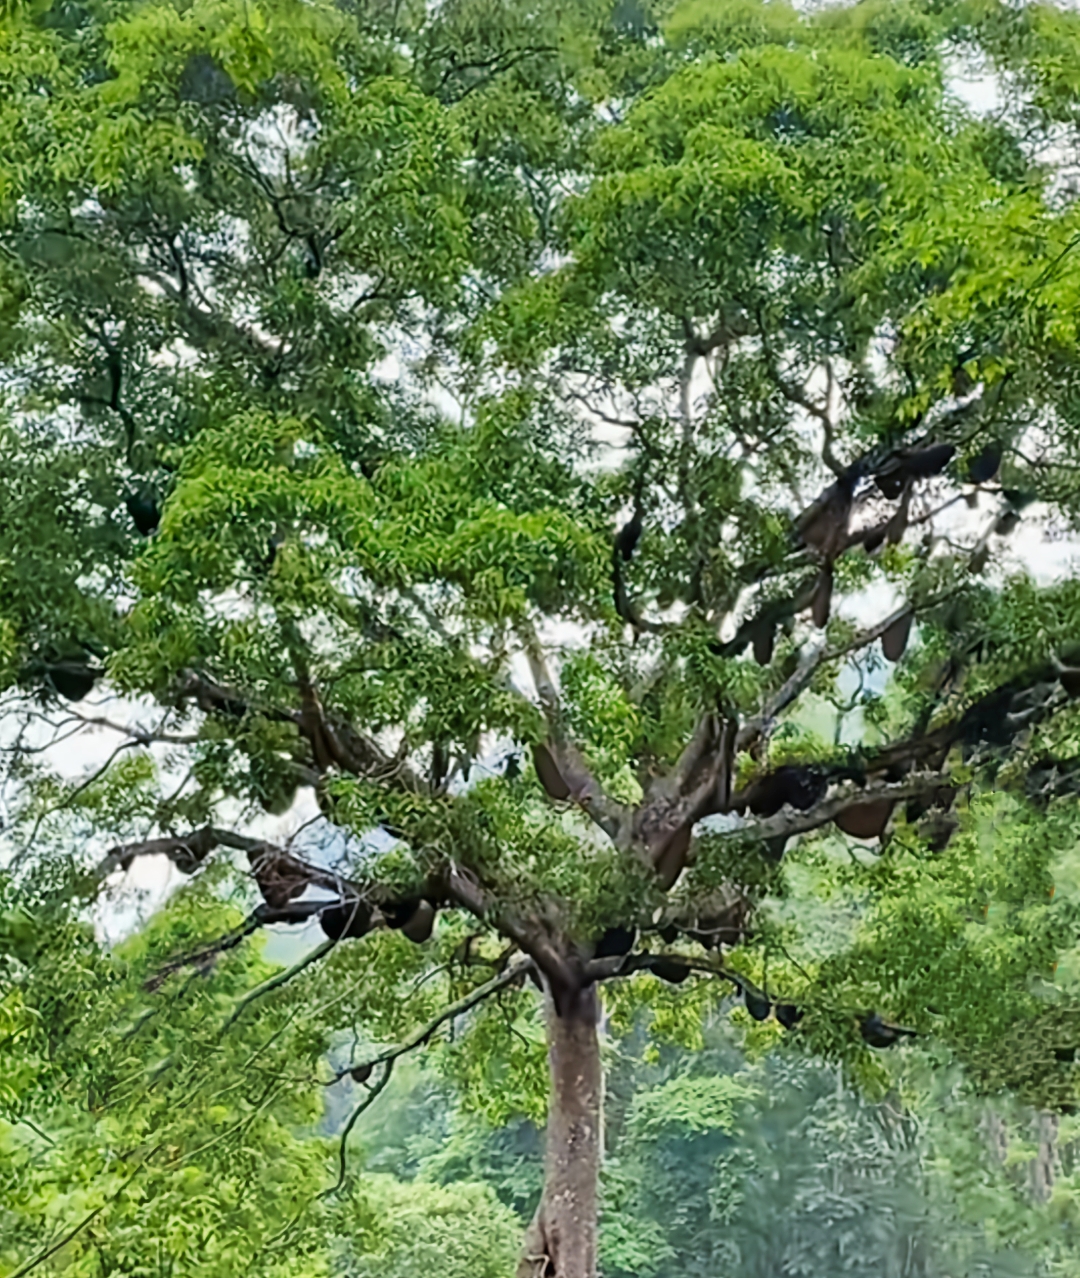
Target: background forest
(721, 1159)
(539, 638)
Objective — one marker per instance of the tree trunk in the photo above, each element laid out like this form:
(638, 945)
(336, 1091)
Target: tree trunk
(561, 1240)
(1045, 1168)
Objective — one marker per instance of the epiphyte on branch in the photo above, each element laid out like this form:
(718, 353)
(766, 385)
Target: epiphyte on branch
(895, 639)
(878, 1033)
(775, 847)
(350, 919)
(821, 604)
(672, 857)
(291, 912)
(788, 1015)
(865, 820)
(420, 924)
(799, 786)
(615, 941)
(72, 679)
(763, 638)
(142, 505)
(823, 527)
(398, 913)
(757, 1002)
(919, 463)
(626, 539)
(984, 465)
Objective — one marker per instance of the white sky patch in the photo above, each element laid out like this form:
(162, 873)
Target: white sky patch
(978, 87)
(392, 370)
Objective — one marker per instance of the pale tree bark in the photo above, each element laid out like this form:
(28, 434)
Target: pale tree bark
(1045, 1167)
(561, 1240)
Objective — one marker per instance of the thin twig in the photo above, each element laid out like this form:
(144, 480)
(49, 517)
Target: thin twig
(63, 1241)
(418, 1038)
(365, 1104)
(141, 736)
(276, 982)
(16, 861)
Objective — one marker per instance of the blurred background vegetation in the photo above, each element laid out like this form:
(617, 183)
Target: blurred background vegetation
(727, 1151)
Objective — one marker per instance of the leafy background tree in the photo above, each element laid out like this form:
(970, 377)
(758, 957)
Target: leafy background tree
(715, 1156)
(485, 421)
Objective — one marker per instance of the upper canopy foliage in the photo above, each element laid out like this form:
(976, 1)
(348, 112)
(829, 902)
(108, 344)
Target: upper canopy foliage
(364, 362)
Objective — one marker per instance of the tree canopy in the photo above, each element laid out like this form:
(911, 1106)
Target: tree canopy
(583, 448)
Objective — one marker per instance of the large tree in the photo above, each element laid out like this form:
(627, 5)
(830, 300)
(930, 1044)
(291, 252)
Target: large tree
(489, 417)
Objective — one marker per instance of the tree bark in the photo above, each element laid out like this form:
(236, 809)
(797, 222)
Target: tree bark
(1045, 1168)
(561, 1240)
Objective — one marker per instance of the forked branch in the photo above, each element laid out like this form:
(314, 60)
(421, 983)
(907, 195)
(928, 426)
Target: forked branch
(560, 764)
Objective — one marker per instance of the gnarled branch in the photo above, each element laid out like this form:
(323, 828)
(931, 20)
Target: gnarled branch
(581, 785)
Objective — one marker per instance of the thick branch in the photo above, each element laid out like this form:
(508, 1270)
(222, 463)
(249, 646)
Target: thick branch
(529, 935)
(357, 907)
(793, 688)
(277, 981)
(332, 740)
(754, 729)
(281, 877)
(609, 969)
(700, 783)
(791, 822)
(186, 852)
(141, 736)
(882, 776)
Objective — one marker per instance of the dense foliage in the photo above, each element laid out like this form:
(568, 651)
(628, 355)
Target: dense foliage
(716, 1160)
(574, 458)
